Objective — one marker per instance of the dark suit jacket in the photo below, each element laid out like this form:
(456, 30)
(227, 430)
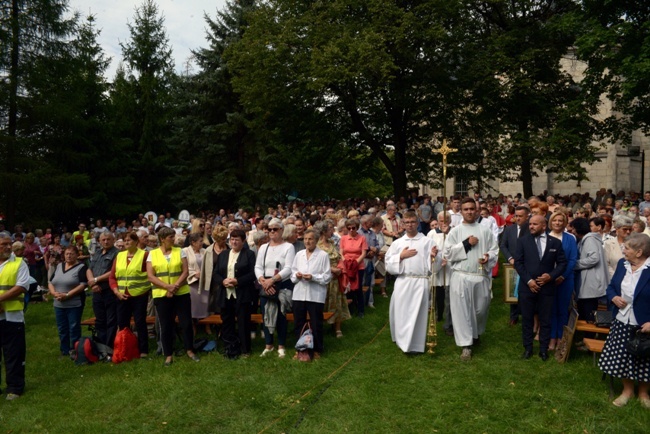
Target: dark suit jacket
(509, 240)
(529, 266)
(244, 273)
(641, 300)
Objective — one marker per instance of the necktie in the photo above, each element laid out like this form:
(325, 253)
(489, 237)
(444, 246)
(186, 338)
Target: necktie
(539, 247)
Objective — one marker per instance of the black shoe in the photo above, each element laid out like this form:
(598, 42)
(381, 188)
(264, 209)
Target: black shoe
(449, 332)
(543, 356)
(527, 354)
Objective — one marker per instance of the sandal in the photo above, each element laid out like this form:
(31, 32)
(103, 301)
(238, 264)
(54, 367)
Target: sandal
(621, 401)
(339, 334)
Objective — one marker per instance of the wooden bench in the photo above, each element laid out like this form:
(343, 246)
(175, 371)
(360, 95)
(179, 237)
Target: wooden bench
(257, 318)
(584, 326)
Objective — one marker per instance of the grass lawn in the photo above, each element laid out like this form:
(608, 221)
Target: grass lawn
(362, 384)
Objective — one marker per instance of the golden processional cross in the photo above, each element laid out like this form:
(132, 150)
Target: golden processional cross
(444, 150)
(432, 333)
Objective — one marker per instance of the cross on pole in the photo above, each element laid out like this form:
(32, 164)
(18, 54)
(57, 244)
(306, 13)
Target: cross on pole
(444, 150)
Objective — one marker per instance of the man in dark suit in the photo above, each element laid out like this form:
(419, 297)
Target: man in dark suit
(234, 275)
(509, 247)
(539, 261)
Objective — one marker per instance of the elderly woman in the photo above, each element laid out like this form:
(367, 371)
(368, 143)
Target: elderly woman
(290, 235)
(613, 247)
(130, 284)
(353, 249)
(234, 275)
(194, 255)
(591, 264)
(310, 274)
(565, 283)
(629, 292)
(336, 301)
(167, 271)
(208, 263)
(67, 287)
(53, 255)
(273, 272)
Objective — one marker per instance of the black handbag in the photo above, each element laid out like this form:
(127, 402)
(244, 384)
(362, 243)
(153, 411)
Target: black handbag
(603, 318)
(259, 286)
(639, 344)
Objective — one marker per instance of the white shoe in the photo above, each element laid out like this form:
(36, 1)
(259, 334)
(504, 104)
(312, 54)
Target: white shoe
(466, 354)
(266, 351)
(253, 335)
(282, 353)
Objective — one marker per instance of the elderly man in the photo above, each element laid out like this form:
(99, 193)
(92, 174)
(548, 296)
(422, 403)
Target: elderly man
(472, 252)
(392, 225)
(14, 281)
(104, 300)
(409, 258)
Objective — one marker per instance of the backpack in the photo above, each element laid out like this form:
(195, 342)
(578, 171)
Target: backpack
(126, 346)
(85, 352)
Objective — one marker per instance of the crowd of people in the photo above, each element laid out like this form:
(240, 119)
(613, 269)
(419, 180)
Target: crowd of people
(312, 258)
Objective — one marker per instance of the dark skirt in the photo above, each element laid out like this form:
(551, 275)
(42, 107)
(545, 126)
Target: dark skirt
(617, 362)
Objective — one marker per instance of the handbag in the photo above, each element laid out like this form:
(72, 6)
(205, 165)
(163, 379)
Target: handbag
(603, 318)
(306, 341)
(639, 344)
(260, 288)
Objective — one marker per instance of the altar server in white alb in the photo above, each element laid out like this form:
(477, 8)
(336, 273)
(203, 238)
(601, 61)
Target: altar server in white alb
(472, 251)
(409, 258)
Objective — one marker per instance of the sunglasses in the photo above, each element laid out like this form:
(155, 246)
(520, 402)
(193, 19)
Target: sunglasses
(352, 228)
(274, 229)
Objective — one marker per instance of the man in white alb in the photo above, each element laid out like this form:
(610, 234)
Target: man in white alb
(472, 252)
(409, 258)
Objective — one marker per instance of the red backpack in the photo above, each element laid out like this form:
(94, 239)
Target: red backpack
(85, 351)
(126, 346)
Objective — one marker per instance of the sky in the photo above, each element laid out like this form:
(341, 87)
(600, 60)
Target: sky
(184, 23)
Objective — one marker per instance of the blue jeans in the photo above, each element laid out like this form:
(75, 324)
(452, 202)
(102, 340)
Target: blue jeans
(68, 324)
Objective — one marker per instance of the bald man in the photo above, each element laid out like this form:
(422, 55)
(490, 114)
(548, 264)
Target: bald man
(539, 260)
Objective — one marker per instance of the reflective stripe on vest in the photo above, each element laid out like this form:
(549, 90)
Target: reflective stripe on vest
(8, 278)
(168, 272)
(130, 276)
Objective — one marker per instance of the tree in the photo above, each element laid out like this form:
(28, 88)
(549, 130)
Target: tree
(144, 83)
(379, 75)
(543, 118)
(229, 159)
(33, 60)
(616, 45)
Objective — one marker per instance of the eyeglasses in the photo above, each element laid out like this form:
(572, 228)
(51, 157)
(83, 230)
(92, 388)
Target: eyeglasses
(352, 228)
(274, 229)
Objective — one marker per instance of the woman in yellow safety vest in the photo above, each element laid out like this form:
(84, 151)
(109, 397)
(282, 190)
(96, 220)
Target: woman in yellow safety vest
(130, 283)
(167, 271)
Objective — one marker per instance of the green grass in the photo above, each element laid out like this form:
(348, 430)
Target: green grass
(362, 384)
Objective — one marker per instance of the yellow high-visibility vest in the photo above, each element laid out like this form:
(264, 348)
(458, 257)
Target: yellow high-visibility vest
(168, 272)
(130, 276)
(8, 278)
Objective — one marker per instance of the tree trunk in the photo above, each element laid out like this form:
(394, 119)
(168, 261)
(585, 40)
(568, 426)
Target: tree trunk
(11, 145)
(526, 174)
(399, 171)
